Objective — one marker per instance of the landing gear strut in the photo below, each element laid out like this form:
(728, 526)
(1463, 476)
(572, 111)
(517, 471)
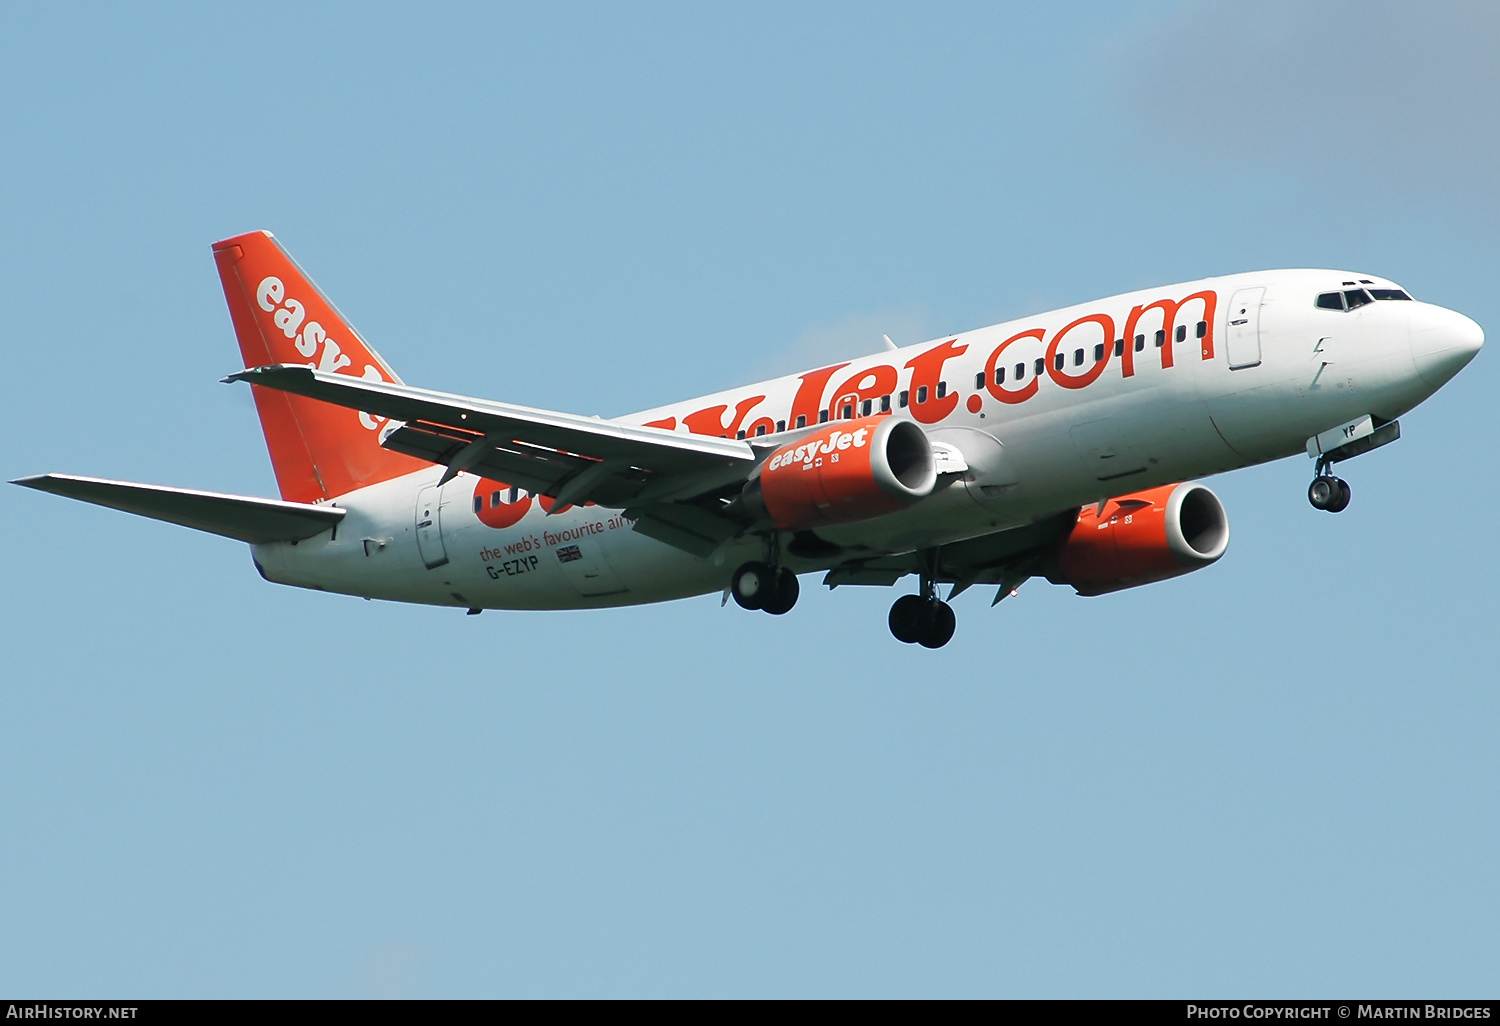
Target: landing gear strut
(923, 619)
(1328, 492)
(757, 585)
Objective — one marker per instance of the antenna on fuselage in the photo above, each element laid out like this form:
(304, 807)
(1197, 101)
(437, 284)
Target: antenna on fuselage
(889, 344)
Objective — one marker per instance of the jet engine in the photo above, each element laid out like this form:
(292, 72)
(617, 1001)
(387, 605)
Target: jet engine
(846, 471)
(1142, 538)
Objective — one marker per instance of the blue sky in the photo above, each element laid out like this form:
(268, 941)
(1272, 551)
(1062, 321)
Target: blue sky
(1277, 776)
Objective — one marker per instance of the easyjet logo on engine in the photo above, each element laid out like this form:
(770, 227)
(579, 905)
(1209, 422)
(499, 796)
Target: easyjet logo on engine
(310, 339)
(810, 454)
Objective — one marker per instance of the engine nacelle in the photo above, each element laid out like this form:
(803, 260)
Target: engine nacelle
(848, 470)
(1142, 538)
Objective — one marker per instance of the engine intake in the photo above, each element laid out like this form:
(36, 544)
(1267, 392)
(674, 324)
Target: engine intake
(847, 471)
(1142, 538)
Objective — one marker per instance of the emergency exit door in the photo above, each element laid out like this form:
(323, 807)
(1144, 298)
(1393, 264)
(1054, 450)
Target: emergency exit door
(430, 527)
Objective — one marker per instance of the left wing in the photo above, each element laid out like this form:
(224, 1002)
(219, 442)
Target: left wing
(675, 484)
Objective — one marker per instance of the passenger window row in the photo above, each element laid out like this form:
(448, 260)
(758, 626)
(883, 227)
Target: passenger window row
(866, 407)
(495, 498)
(1060, 360)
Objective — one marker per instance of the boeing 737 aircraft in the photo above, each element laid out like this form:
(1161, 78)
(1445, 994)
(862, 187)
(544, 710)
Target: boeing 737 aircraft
(1059, 445)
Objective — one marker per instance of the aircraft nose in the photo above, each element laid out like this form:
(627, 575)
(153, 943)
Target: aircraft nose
(1442, 342)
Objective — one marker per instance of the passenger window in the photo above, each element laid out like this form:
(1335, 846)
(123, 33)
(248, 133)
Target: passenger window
(478, 503)
(864, 407)
(1041, 366)
(780, 426)
(847, 413)
(885, 404)
(1078, 358)
(979, 380)
(515, 494)
(1020, 371)
(1181, 332)
(802, 420)
(942, 389)
(1330, 301)
(999, 375)
(740, 434)
(760, 429)
(1119, 347)
(1356, 298)
(1140, 343)
(822, 416)
(1202, 328)
(921, 395)
(1098, 351)
(901, 399)
(494, 499)
(1387, 294)
(1058, 361)
(1161, 338)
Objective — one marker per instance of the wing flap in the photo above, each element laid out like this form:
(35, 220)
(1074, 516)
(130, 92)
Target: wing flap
(690, 528)
(537, 449)
(537, 473)
(241, 517)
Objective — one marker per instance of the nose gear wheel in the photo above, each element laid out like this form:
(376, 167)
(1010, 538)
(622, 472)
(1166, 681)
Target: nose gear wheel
(1328, 492)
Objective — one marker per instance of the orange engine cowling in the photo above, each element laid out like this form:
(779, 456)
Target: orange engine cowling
(1141, 538)
(847, 470)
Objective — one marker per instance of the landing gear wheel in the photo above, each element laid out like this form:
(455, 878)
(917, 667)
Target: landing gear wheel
(753, 585)
(1341, 502)
(783, 595)
(940, 628)
(910, 618)
(1323, 492)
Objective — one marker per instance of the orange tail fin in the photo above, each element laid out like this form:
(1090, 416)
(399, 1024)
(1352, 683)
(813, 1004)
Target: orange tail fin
(318, 451)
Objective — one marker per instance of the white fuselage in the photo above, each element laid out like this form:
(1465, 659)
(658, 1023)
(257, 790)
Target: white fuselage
(1113, 411)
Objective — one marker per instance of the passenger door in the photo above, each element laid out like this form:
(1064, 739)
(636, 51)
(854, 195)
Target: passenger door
(1242, 340)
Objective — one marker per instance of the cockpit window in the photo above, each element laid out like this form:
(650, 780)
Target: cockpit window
(1352, 299)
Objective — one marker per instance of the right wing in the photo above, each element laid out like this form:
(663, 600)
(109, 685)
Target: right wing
(241, 517)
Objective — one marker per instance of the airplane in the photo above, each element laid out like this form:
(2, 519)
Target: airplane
(1062, 445)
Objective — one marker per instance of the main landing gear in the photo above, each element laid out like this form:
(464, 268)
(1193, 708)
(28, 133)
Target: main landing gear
(923, 619)
(1328, 492)
(757, 585)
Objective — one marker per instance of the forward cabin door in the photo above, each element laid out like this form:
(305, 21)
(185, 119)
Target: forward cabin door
(1242, 340)
(430, 528)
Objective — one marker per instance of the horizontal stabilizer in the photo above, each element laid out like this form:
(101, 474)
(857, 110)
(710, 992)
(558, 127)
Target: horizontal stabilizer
(241, 517)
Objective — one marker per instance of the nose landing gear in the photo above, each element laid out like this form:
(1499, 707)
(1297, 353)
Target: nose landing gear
(1328, 492)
